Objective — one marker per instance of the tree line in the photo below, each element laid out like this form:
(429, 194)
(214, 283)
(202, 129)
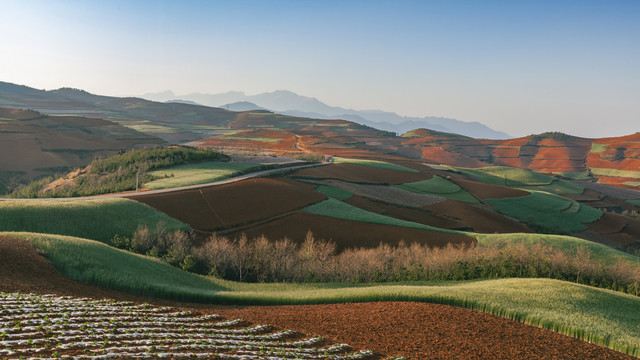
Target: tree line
(316, 260)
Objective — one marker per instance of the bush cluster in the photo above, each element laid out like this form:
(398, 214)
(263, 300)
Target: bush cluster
(173, 247)
(118, 173)
(313, 260)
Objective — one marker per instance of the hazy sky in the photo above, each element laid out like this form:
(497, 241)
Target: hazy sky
(522, 67)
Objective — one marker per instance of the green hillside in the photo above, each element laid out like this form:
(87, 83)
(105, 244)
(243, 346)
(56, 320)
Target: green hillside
(599, 316)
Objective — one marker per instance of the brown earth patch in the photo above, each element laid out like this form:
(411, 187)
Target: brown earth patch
(438, 155)
(388, 194)
(426, 331)
(23, 269)
(609, 223)
(480, 219)
(348, 234)
(620, 193)
(486, 191)
(361, 174)
(221, 207)
(420, 216)
(620, 229)
(586, 196)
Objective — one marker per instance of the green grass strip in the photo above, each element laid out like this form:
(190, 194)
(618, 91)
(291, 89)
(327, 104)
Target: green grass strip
(600, 316)
(598, 148)
(373, 163)
(616, 173)
(573, 209)
(97, 219)
(507, 176)
(96, 263)
(558, 187)
(439, 186)
(635, 202)
(546, 210)
(565, 244)
(334, 192)
(337, 209)
(200, 173)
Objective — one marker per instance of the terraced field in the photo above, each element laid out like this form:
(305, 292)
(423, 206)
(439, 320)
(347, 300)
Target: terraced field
(553, 213)
(439, 186)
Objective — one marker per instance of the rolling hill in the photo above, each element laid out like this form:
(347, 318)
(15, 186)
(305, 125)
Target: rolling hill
(289, 103)
(33, 144)
(614, 161)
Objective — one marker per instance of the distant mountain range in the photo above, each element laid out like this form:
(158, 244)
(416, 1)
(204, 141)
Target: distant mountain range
(289, 103)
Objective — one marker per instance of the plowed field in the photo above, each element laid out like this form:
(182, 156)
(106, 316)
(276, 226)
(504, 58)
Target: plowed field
(361, 174)
(348, 234)
(481, 220)
(487, 191)
(221, 207)
(420, 216)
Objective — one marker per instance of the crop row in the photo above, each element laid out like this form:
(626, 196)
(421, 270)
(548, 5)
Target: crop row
(65, 327)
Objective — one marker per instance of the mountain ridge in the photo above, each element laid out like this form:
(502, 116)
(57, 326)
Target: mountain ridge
(289, 103)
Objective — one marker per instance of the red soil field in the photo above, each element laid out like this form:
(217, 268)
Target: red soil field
(420, 216)
(361, 174)
(620, 229)
(438, 155)
(609, 223)
(513, 162)
(33, 143)
(426, 331)
(222, 207)
(563, 165)
(627, 138)
(348, 234)
(413, 330)
(597, 161)
(506, 152)
(487, 191)
(563, 152)
(479, 219)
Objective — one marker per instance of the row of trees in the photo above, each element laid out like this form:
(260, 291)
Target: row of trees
(313, 260)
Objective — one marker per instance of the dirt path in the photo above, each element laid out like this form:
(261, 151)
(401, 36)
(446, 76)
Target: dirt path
(181, 188)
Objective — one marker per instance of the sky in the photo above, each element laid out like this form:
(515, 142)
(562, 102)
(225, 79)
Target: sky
(522, 67)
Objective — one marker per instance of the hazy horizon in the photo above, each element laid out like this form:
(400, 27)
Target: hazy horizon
(517, 67)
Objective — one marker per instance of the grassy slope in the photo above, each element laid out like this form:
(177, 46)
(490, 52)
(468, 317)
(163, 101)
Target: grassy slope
(604, 317)
(521, 178)
(556, 213)
(635, 202)
(616, 173)
(337, 209)
(496, 175)
(373, 163)
(334, 192)
(441, 187)
(192, 174)
(567, 244)
(97, 219)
